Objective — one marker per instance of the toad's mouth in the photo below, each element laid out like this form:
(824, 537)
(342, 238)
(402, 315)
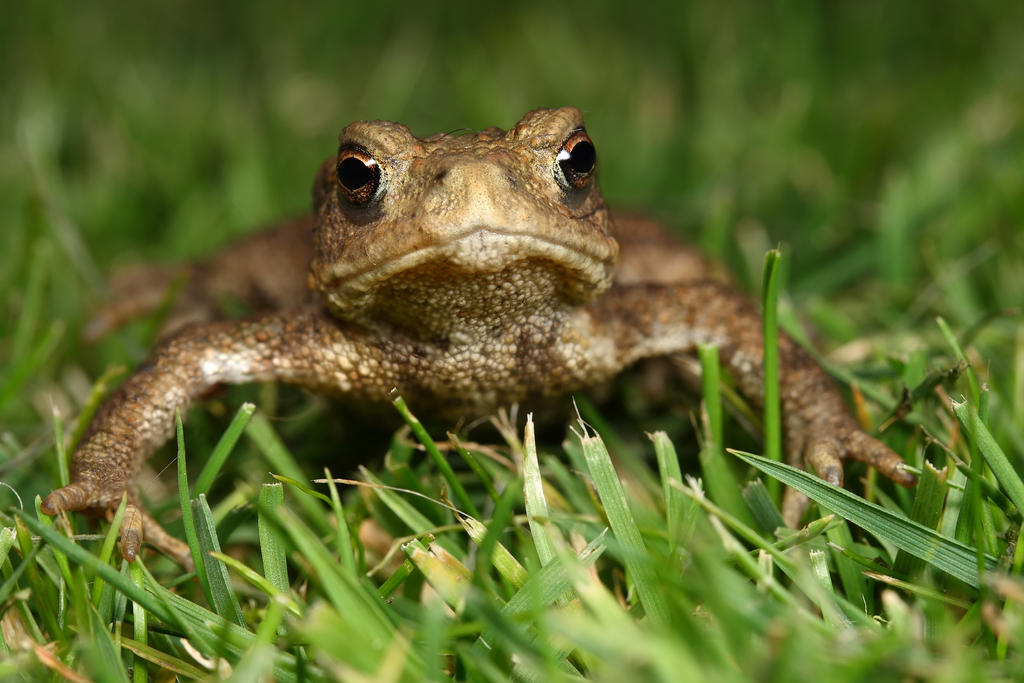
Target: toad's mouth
(586, 268)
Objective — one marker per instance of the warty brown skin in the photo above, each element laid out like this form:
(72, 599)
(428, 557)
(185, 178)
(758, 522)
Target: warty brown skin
(475, 271)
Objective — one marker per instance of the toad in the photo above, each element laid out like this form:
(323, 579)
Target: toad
(469, 272)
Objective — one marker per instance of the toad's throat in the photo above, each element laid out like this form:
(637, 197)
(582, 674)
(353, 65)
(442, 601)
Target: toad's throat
(441, 301)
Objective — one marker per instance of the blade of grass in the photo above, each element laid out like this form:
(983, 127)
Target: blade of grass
(921, 590)
(929, 496)
(257, 663)
(184, 499)
(223, 449)
(435, 455)
(113, 533)
(37, 574)
(772, 411)
(1001, 466)
(945, 376)
(946, 554)
(719, 480)
(549, 583)
(474, 464)
(346, 592)
(14, 380)
(346, 551)
(1017, 393)
(762, 507)
(409, 515)
(961, 357)
(825, 596)
(675, 502)
(325, 628)
(432, 648)
(280, 458)
(740, 554)
(11, 582)
(213, 634)
(613, 497)
(225, 603)
(31, 301)
(855, 587)
(100, 651)
(443, 571)
(272, 549)
(969, 518)
(163, 660)
(259, 582)
(490, 549)
(72, 580)
(721, 519)
(395, 580)
(365, 623)
(503, 560)
(544, 535)
(140, 624)
(80, 555)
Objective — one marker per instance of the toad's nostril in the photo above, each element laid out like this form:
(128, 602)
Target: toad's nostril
(440, 175)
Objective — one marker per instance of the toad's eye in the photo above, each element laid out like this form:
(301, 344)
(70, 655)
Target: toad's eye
(358, 175)
(576, 161)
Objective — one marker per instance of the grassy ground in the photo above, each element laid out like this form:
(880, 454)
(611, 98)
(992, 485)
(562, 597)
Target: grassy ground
(882, 145)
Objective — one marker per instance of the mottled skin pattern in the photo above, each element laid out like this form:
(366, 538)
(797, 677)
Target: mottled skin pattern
(474, 273)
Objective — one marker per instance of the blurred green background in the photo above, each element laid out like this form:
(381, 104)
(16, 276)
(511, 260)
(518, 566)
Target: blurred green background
(160, 129)
(881, 142)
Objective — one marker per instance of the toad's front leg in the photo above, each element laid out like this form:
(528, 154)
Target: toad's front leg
(305, 347)
(651, 320)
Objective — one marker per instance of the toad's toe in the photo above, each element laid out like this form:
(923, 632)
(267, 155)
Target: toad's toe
(794, 505)
(131, 532)
(873, 452)
(138, 526)
(822, 456)
(77, 496)
(164, 542)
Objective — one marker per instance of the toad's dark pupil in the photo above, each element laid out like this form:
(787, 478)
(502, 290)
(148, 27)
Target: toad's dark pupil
(582, 157)
(354, 174)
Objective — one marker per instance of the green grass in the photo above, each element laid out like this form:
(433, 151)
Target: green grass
(880, 144)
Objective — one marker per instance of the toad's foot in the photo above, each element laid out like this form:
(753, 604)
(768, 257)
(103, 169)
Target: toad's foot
(300, 346)
(137, 525)
(134, 293)
(261, 272)
(824, 454)
(649, 320)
